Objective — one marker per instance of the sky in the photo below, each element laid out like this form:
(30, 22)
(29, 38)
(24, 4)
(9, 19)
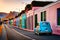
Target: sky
(13, 5)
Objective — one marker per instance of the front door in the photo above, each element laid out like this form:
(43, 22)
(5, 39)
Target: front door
(35, 20)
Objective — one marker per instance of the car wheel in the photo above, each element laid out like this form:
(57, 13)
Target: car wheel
(50, 33)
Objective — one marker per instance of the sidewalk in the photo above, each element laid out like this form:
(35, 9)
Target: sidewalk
(27, 30)
(4, 35)
(0, 30)
(22, 28)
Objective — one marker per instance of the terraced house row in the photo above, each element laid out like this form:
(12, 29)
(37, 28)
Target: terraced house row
(38, 11)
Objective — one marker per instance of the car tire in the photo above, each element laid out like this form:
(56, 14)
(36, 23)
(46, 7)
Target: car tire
(50, 33)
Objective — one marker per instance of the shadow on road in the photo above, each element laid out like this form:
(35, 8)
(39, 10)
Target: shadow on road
(44, 34)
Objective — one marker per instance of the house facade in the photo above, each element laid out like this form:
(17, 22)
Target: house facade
(51, 13)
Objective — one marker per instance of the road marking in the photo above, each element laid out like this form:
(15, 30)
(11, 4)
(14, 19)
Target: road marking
(22, 34)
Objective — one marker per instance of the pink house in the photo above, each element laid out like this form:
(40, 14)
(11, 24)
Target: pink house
(31, 18)
(51, 13)
(36, 16)
(36, 8)
(33, 15)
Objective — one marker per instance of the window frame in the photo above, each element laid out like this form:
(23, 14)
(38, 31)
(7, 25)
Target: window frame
(58, 17)
(43, 16)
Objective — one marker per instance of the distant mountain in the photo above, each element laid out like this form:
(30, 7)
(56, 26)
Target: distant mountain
(2, 14)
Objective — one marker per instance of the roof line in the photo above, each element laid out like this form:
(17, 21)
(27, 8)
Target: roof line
(50, 5)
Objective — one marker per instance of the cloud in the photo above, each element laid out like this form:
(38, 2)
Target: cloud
(6, 6)
(18, 1)
(11, 1)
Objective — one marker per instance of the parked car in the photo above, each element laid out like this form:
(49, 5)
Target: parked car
(44, 27)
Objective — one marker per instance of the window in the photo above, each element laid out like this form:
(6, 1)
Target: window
(43, 16)
(35, 20)
(58, 16)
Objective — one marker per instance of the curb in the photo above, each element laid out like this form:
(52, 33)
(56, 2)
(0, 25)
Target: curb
(26, 30)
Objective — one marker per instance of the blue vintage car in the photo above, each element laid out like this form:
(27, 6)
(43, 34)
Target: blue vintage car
(44, 27)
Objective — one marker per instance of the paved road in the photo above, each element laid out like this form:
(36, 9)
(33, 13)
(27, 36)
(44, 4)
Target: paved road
(17, 34)
(14, 35)
(38, 37)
